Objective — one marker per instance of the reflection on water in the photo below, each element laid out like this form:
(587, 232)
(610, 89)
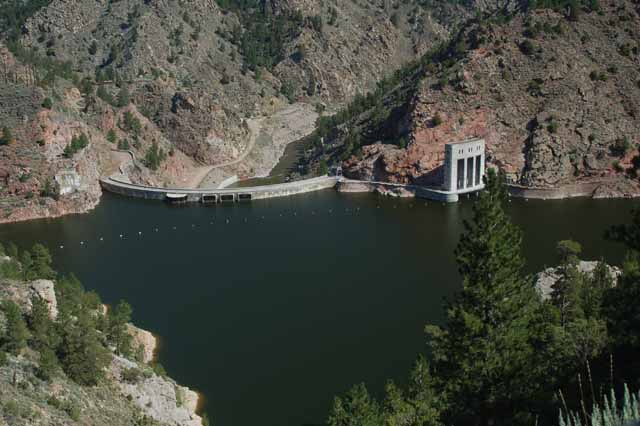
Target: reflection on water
(273, 307)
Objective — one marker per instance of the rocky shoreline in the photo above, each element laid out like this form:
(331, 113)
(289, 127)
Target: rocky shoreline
(154, 395)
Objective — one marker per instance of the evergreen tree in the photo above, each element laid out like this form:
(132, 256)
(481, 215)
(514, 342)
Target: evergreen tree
(118, 334)
(26, 260)
(567, 289)
(124, 97)
(42, 262)
(43, 333)
(419, 406)
(16, 332)
(494, 357)
(12, 250)
(48, 364)
(81, 354)
(357, 408)
(622, 303)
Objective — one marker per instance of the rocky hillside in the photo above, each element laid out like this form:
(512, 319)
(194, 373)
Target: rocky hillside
(58, 366)
(555, 93)
(181, 86)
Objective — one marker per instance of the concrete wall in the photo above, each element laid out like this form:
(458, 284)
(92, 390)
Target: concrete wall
(463, 151)
(195, 195)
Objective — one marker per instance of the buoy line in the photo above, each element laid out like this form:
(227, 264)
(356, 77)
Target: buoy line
(348, 211)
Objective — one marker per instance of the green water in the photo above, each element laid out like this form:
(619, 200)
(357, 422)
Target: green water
(272, 308)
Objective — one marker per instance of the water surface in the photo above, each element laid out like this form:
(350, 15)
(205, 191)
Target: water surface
(272, 308)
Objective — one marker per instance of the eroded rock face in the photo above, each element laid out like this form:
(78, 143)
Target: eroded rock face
(146, 340)
(22, 293)
(547, 278)
(554, 100)
(158, 397)
(46, 290)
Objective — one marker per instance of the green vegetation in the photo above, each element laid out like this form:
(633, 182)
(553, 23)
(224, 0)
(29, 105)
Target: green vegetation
(77, 144)
(16, 332)
(7, 136)
(620, 147)
(47, 103)
(74, 340)
(262, 34)
(112, 136)
(15, 14)
(154, 156)
(607, 413)
(130, 123)
(117, 334)
(123, 145)
(506, 356)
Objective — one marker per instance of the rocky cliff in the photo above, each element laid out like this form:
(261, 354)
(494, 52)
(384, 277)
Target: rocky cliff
(555, 95)
(132, 392)
(180, 84)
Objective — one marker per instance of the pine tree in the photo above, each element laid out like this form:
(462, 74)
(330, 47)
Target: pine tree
(43, 333)
(357, 408)
(16, 332)
(118, 334)
(48, 364)
(420, 405)
(82, 355)
(124, 98)
(26, 260)
(493, 357)
(567, 290)
(42, 262)
(621, 305)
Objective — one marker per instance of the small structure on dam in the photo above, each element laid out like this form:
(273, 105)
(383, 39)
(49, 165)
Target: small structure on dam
(464, 166)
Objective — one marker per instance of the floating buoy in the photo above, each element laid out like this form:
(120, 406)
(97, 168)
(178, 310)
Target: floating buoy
(101, 239)
(227, 220)
(139, 232)
(120, 235)
(174, 228)
(156, 229)
(61, 247)
(81, 243)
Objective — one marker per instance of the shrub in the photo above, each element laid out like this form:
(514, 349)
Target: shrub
(436, 120)
(7, 136)
(47, 103)
(159, 369)
(111, 136)
(123, 144)
(49, 190)
(77, 144)
(131, 375)
(534, 88)
(617, 167)
(608, 413)
(527, 47)
(552, 127)
(130, 123)
(154, 157)
(620, 147)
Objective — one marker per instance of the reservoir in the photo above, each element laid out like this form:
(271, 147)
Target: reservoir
(271, 308)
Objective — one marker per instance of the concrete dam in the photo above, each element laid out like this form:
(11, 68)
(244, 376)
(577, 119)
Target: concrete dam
(216, 195)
